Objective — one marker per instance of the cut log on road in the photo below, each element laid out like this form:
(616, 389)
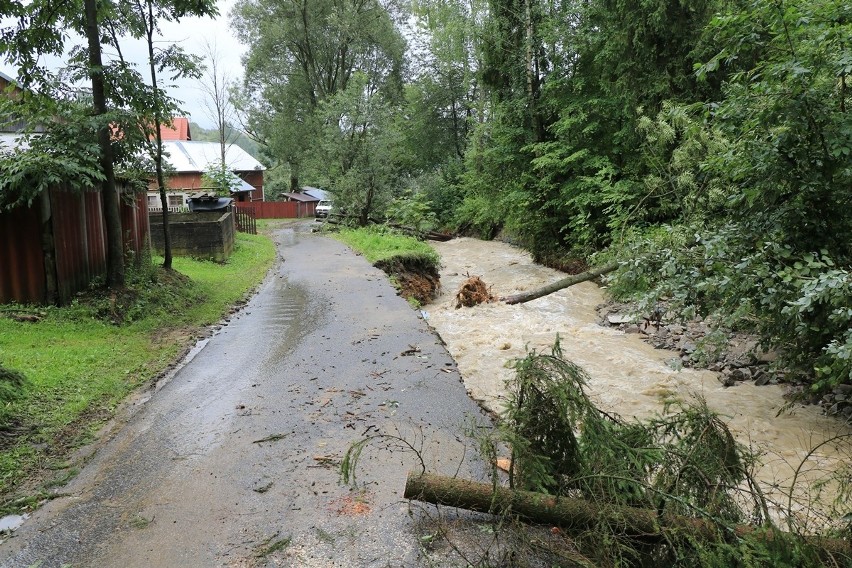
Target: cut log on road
(560, 284)
(579, 514)
(537, 508)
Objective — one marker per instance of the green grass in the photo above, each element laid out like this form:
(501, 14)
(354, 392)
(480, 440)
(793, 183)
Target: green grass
(379, 243)
(222, 285)
(80, 367)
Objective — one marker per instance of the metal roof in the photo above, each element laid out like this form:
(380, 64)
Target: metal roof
(242, 185)
(191, 156)
(316, 192)
(302, 197)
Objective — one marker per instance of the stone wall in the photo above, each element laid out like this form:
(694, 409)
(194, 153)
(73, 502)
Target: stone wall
(208, 235)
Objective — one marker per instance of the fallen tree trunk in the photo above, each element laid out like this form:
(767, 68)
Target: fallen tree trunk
(580, 515)
(560, 284)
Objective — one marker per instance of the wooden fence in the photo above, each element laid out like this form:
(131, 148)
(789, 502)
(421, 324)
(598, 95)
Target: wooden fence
(246, 219)
(279, 209)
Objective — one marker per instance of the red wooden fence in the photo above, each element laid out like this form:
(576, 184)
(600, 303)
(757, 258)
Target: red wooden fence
(21, 258)
(279, 209)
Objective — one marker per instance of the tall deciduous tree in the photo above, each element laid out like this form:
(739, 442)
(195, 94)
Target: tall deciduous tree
(112, 212)
(558, 160)
(303, 52)
(359, 148)
(152, 108)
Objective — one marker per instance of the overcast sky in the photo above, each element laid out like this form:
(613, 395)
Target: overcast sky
(191, 34)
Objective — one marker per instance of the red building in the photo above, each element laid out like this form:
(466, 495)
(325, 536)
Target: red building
(189, 160)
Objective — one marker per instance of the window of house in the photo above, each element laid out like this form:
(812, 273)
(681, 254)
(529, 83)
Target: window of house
(175, 200)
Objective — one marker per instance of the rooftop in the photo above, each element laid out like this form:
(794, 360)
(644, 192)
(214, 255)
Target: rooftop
(315, 192)
(177, 130)
(189, 156)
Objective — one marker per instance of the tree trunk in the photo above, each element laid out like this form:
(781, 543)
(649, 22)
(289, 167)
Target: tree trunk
(294, 175)
(48, 245)
(364, 217)
(158, 151)
(560, 284)
(111, 205)
(579, 514)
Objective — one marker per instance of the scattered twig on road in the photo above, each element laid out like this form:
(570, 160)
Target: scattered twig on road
(272, 438)
(328, 461)
(272, 545)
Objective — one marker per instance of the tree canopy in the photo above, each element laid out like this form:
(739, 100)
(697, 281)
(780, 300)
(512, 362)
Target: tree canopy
(83, 137)
(706, 144)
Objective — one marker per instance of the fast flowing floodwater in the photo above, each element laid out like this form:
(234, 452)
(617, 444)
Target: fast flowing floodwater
(628, 376)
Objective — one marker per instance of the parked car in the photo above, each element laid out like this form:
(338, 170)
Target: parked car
(323, 208)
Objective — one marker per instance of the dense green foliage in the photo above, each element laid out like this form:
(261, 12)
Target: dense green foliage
(220, 180)
(765, 220)
(707, 145)
(80, 361)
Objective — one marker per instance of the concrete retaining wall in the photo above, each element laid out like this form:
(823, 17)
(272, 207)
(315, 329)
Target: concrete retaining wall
(208, 235)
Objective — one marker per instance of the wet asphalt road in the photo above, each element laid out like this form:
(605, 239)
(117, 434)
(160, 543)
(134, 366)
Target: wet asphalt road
(324, 354)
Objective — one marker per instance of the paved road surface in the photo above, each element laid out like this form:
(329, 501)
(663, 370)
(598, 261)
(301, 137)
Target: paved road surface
(324, 354)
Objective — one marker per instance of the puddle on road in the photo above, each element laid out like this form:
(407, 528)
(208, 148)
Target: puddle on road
(289, 236)
(628, 376)
(294, 315)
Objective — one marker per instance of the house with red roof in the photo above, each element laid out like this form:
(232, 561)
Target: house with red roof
(188, 160)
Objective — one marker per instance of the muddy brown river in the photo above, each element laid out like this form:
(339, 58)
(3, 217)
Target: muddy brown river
(628, 376)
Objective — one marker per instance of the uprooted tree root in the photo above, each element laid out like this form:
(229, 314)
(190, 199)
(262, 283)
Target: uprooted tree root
(473, 292)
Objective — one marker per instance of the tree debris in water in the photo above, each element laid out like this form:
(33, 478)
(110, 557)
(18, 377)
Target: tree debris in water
(675, 490)
(473, 292)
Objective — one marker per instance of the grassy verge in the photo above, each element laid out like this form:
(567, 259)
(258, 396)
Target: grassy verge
(80, 363)
(380, 244)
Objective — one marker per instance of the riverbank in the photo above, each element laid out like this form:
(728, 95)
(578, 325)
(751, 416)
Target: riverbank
(629, 376)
